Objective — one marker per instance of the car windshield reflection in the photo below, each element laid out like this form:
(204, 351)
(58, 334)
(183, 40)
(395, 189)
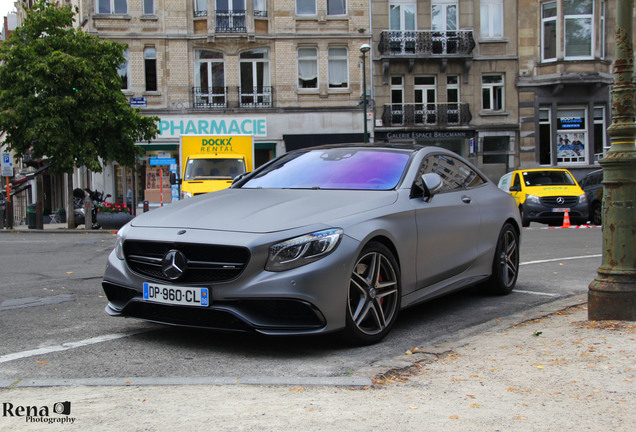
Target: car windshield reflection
(545, 178)
(334, 169)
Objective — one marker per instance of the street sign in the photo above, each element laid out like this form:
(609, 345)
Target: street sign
(162, 161)
(7, 165)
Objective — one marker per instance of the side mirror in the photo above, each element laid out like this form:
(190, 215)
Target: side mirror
(432, 183)
(174, 180)
(515, 189)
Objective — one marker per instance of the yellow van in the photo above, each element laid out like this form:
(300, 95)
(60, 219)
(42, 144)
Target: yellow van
(544, 194)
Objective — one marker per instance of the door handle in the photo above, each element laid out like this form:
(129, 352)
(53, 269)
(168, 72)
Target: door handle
(466, 199)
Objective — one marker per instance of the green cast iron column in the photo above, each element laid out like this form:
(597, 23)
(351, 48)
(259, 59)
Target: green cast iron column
(612, 294)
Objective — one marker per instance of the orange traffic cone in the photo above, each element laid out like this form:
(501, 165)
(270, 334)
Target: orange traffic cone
(566, 220)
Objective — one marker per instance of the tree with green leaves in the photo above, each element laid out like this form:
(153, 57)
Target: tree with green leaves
(61, 99)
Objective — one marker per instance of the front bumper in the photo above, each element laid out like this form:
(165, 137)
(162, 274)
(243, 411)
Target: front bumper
(305, 300)
(544, 213)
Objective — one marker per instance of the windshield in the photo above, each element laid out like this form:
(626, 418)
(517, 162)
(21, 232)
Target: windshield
(364, 169)
(545, 178)
(213, 169)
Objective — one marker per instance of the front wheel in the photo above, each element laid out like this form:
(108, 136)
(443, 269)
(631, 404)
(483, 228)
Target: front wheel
(373, 300)
(525, 222)
(597, 214)
(505, 266)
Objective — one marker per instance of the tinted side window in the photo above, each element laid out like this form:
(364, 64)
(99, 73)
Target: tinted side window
(516, 181)
(455, 174)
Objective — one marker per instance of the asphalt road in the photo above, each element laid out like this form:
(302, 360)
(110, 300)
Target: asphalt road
(53, 325)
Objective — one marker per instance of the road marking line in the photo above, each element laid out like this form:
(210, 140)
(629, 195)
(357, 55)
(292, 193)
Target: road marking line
(537, 293)
(66, 346)
(561, 259)
(99, 339)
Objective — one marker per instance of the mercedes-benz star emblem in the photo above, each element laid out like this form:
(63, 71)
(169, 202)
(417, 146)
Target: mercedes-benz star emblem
(560, 200)
(173, 264)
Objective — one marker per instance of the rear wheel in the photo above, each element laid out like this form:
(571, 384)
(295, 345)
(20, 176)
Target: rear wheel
(505, 266)
(373, 301)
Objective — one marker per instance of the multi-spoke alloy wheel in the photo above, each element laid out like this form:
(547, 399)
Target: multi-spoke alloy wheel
(505, 267)
(374, 295)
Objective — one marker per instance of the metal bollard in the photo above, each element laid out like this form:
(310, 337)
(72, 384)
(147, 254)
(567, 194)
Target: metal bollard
(88, 213)
(39, 218)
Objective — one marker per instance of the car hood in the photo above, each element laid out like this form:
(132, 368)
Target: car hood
(264, 210)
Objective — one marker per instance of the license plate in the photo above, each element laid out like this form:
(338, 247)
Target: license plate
(176, 295)
(560, 210)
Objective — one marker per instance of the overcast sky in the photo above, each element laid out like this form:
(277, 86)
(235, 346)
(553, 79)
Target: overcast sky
(6, 6)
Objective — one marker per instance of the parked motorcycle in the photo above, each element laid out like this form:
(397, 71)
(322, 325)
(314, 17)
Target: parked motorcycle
(79, 199)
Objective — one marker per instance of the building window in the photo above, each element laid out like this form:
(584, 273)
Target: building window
(338, 63)
(496, 149)
(255, 89)
(308, 68)
(150, 68)
(425, 98)
(578, 22)
(336, 7)
(492, 92)
(602, 29)
(200, 8)
(306, 7)
(123, 72)
(444, 15)
(209, 79)
(545, 137)
(260, 8)
(491, 19)
(571, 136)
(149, 7)
(397, 100)
(452, 99)
(549, 31)
(402, 15)
(112, 6)
(600, 130)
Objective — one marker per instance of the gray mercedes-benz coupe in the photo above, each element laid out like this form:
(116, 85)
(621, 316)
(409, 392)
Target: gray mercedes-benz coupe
(324, 239)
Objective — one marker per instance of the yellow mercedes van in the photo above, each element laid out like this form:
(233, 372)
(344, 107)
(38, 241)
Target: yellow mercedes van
(544, 194)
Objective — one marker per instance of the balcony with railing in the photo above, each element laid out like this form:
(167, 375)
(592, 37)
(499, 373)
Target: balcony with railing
(434, 115)
(231, 97)
(209, 97)
(231, 21)
(255, 97)
(427, 43)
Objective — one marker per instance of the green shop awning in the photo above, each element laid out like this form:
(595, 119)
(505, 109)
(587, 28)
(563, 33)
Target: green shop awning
(159, 146)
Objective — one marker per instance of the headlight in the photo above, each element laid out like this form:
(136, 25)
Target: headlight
(583, 199)
(533, 199)
(302, 250)
(186, 195)
(119, 242)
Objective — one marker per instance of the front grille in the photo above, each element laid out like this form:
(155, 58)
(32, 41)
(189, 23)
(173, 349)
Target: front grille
(567, 201)
(205, 263)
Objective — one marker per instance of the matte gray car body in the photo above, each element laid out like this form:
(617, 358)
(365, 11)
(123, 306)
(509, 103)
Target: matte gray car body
(440, 243)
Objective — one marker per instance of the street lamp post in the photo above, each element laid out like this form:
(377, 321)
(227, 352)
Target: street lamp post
(612, 294)
(364, 49)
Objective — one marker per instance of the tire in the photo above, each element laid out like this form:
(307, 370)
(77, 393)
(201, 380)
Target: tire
(505, 266)
(597, 213)
(374, 296)
(525, 222)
